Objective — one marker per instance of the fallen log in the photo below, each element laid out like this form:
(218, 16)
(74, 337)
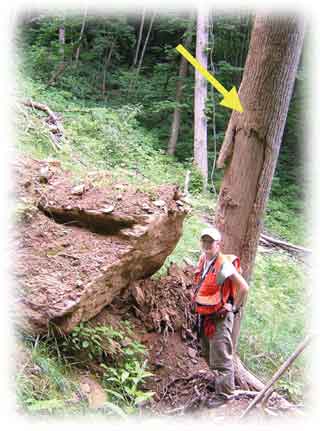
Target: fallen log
(52, 121)
(277, 375)
(268, 240)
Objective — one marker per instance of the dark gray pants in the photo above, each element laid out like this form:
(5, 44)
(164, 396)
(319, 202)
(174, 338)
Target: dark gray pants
(218, 352)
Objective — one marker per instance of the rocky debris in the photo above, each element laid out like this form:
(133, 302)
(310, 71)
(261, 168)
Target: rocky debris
(79, 251)
(93, 392)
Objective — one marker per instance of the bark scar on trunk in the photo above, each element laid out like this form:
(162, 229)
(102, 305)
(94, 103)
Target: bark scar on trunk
(227, 146)
(228, 199)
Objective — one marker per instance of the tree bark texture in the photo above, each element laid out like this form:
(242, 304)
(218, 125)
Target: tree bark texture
(253, 138)
(200, 97)
(183, 69)
(139, 37)
(81, 34)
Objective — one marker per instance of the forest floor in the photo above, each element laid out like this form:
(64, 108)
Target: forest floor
(159, 313)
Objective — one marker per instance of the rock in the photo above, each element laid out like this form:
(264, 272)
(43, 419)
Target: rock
(138, 294)
(94, 392)
(159, 203)
(114, 248)
(78, 190)
(146, 208)
(108, 209)
(85, 388)
(44, 174)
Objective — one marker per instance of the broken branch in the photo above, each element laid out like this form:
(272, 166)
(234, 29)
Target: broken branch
(277, 375)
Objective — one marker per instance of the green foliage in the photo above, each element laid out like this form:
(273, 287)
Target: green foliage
(94, 343)
(47, 383)
(275, 319)
(284, 217)
(121, 357)
(44, 383)
(123, 383)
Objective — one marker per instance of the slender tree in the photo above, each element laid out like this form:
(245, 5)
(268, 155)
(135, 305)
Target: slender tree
(253, 138)
(62, 64)
(183, 69)
(139, 37)
(146, 43)
(106, 66)
(81, 33)
(134, 80)
(62, 40)
(200, 97)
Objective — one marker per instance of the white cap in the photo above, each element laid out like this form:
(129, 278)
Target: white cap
(212, 232)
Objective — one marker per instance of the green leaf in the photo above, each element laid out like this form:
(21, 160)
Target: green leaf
(116, 394)
(124, 376)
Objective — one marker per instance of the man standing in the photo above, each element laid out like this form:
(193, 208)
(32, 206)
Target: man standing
(219, 293)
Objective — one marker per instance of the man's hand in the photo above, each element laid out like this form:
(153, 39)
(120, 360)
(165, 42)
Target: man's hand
(242, 289)
(227, 307)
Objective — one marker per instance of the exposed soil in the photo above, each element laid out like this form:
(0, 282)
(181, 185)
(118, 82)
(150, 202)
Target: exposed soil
(182, 381)
(79, 245)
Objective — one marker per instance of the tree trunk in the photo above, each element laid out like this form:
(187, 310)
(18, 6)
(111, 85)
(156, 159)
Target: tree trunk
(200, 97)
(81, 34)
(139, 38)
(106, 65)
(183, 69)
(253, 138)
(133, 82)
(146, 42)
(62, 41)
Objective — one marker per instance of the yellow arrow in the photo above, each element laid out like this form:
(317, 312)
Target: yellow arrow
(230, 98)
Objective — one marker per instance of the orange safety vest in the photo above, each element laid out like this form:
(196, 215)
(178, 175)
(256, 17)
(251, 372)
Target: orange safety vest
(210, 297)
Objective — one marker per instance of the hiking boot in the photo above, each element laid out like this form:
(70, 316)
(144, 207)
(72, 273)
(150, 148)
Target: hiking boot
(216, 402)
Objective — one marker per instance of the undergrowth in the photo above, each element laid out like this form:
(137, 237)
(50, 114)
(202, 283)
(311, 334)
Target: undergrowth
(275, 320)
(49, 381)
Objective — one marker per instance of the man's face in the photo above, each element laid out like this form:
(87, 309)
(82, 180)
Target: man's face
(209, 246)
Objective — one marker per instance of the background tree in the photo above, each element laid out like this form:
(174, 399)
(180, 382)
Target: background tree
(140, 37)
(183, 70)
(200, 97)
(81, 34)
